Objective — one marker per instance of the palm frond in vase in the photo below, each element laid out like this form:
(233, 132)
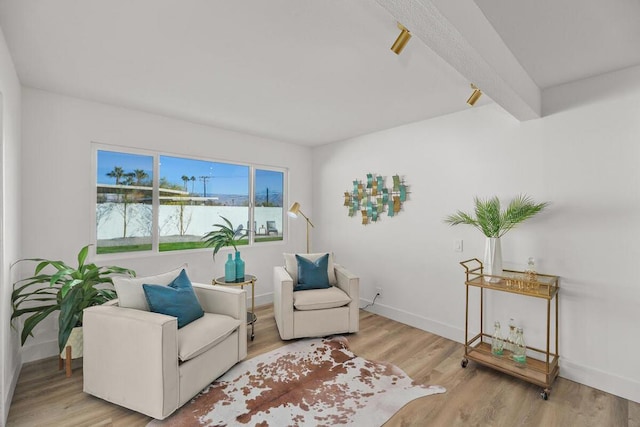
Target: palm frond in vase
(493, 222)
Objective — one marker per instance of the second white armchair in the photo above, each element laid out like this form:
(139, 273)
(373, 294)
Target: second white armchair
(315, 312)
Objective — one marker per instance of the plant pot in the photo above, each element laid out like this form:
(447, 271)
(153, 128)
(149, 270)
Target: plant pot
(72, 349)
(75, 341)
(493, 259)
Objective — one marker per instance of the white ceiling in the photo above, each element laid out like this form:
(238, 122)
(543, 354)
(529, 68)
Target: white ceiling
(314, 72)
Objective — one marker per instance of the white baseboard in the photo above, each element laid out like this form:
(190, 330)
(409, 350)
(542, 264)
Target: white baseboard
(15, 372)
(263, 299)
(442, 329)
(38, 351)
(605, 381)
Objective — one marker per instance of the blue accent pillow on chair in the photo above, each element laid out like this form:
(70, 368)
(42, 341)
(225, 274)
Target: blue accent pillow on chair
(177, 299)
(312, 274)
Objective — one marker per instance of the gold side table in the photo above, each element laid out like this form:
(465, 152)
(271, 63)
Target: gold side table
(248, 280)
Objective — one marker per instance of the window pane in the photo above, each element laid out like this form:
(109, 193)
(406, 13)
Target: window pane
(194, 194)
(124, 200)
(268, 202)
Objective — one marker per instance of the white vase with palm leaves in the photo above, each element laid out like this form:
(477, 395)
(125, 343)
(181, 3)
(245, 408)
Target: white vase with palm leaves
(494, 223)
(492, 258)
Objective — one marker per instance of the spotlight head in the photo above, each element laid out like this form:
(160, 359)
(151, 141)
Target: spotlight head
(475, 95)
(402, 40)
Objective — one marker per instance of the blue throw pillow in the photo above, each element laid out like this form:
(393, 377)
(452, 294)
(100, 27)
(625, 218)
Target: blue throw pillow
(312, 274)
(177, 299)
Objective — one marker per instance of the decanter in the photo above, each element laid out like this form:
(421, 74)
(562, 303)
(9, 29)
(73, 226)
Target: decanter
(532, 276)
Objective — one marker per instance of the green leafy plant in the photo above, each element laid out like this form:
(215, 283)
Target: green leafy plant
(224, 235)
(493, 222)
(67, 289)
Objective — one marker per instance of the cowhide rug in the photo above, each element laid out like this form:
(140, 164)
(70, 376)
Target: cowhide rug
(310, 382)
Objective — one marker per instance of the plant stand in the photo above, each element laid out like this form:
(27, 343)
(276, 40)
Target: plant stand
(73, 350)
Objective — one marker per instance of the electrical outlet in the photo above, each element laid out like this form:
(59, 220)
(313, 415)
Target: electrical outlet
(379, 292)
(457, 245)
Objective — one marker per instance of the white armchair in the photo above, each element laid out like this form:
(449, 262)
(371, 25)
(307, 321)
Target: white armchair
(316, 312)
(142, 361)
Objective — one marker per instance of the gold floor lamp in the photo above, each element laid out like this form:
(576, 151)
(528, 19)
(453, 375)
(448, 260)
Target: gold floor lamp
(293, 212)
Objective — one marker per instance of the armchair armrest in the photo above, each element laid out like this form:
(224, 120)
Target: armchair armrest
(229, 301)
(222, 300)
(350, 283)
(131, 358)
(283, 301)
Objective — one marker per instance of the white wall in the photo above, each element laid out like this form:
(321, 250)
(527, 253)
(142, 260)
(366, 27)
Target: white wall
(584, 157)
(56, 176)
(9, 221)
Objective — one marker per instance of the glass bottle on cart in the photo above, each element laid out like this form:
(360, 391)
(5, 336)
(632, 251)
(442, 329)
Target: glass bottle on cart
(512, 335)
(519, 347)
(497, 342)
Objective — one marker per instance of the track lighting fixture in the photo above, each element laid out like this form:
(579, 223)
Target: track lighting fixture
(475, 95)
(402, 39)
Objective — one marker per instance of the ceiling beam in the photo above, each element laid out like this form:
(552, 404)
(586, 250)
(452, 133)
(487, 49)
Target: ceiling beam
(461, 35)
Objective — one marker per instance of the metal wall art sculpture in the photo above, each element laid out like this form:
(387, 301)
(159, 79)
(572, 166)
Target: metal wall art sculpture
(372, 198)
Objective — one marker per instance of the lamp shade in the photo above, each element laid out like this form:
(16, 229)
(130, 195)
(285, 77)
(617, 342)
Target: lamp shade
(294, 210)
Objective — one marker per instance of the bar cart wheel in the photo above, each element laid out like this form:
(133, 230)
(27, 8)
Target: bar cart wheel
(464, 362)
(544, 394)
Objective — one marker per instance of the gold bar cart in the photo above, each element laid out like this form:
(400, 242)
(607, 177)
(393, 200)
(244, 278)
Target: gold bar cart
(541, 366)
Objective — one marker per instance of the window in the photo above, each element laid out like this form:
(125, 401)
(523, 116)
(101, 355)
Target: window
(124, 202)
(268, 202)
(137, 211)
(194, 194)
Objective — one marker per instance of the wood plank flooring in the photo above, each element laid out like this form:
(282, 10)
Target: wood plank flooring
(476, 396)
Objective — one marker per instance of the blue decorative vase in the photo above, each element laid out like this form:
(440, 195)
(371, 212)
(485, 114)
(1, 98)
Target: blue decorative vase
(230, 269)
(239, 267)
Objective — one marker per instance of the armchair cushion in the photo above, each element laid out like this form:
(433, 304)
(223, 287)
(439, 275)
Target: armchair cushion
(176, 299)
(320, 299)
(312, 274)
(130, 292)
(291, 265)
(204, 333)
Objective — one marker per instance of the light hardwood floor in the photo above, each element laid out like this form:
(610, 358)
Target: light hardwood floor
(475, 396)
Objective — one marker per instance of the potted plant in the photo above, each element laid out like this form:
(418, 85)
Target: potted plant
(226, 235)
(67, 289)
(495, 223)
